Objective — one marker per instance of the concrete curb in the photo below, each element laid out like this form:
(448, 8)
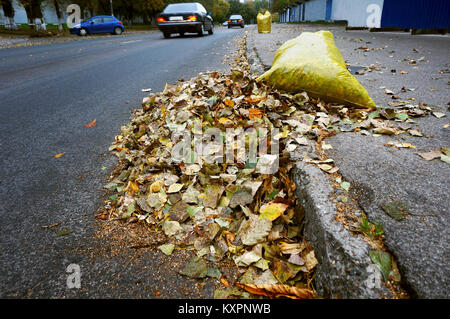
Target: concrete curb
(256, 66)
(345, 269)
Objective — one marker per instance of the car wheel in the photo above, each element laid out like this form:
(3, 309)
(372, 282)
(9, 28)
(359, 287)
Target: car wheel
(166, 35)
(229, 27)
(83, 32)
(242, 26)
(118, 31)
(211, 31)
(202, 31)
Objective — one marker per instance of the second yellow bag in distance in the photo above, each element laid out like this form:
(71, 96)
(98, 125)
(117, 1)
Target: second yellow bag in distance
(264, 22)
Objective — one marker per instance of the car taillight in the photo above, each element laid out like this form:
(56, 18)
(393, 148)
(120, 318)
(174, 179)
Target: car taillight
(161, 20)
(239, 20)
(121, 22)
(192, 18)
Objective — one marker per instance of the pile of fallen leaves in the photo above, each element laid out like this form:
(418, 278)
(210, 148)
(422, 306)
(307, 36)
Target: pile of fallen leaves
(231, 211)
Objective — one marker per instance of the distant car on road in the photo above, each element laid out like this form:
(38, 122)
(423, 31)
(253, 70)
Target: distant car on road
(99, 24)
(183, 18)
(236, 20)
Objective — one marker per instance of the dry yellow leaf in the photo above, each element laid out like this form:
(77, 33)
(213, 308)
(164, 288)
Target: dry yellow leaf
(224, 282)
(275, 290)
(132, 187)
(59, 155)
(228, 102)
(156, 186)
(255, 99)
(254, 113)
(291, 248)
(431, 155)
(225, 120)
(310, 260)
(272, 210)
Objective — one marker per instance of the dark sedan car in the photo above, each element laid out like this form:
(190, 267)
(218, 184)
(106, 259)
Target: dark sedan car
(236, 20)
(184, 18)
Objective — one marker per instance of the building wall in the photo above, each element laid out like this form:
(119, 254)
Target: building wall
(355, 12)
(416, 14)
(315, 10)
(294, 14)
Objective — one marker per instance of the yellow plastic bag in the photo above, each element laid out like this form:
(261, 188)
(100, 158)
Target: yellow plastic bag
(311, 62)
(264, 22)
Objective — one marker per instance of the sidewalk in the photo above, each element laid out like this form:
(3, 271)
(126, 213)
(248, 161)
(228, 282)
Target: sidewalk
(381, 175)
(14, 41)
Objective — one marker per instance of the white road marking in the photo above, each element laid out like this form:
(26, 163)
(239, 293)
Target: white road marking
(130, 41)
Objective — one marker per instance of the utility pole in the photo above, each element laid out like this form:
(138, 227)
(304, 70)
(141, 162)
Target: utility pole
(112, 12)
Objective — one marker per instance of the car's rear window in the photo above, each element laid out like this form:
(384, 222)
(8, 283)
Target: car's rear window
(236, 17)
(180, 7)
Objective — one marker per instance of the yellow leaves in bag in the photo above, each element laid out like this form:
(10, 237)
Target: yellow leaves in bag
(264, 22)
(311, 62)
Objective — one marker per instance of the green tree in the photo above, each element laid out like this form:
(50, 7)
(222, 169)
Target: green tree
(220, 10)
(235, 7)
(261, 5)
(249, 12)
(34, 13)
(57, 5)
(279, 5)
(150, 8)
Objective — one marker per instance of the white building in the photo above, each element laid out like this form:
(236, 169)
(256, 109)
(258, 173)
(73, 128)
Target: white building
(358, 13)
(361, 13)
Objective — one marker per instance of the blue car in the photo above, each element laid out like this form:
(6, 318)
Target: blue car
(99, 24)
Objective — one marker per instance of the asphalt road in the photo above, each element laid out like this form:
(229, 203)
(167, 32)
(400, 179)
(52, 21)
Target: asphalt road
(47, 94)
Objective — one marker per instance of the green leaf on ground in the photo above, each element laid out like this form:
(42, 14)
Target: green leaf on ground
(445, 158)
(397, 209)
(167, 248)
(195, 268)
(374, 114)
(63, 232)
(383, 261)
(213, 272)
(401, 116)
(345, 186)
